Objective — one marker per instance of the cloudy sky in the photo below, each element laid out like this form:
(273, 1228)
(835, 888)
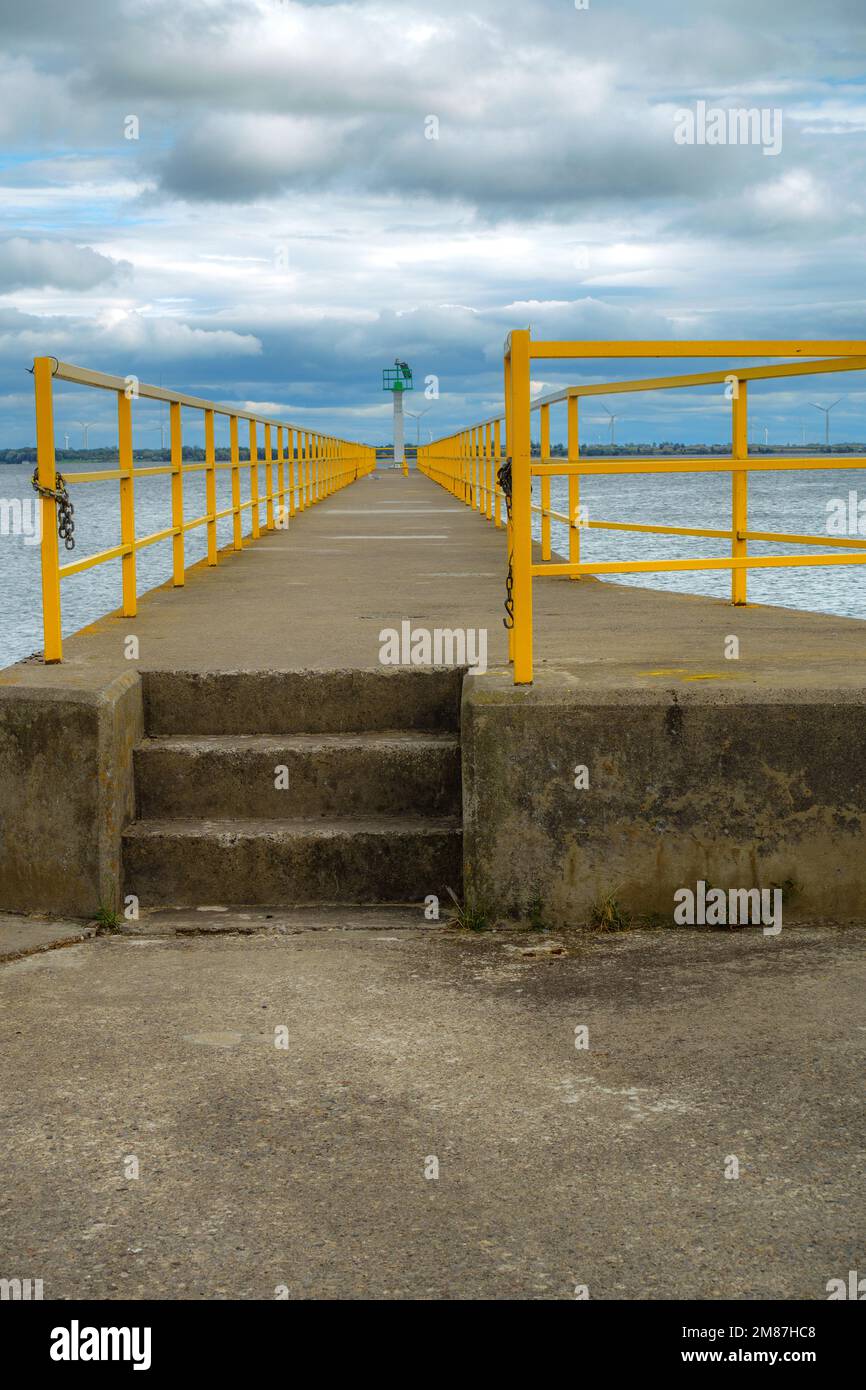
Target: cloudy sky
(283, 226)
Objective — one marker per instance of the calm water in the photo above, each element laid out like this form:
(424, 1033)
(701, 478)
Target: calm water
(777, 501)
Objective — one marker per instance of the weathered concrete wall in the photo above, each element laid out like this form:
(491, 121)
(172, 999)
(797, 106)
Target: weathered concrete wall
(739, 788)
(66, 787)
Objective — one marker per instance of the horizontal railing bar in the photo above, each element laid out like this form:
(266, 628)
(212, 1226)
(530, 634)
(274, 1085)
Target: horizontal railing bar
(710, 533)
(790, 538)
(141, 542)
(590, 350)
(90, 561)
(716, 563)
(753, 463)
(163, 470)
(106, 477)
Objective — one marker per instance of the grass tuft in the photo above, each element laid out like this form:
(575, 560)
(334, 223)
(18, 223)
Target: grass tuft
(106, 918)
(606, 914)
(474, 918)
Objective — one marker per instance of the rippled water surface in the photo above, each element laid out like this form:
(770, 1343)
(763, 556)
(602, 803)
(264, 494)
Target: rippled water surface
(777, 501)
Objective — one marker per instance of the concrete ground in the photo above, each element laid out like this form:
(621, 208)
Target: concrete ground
(261, 1166)
(391, 548)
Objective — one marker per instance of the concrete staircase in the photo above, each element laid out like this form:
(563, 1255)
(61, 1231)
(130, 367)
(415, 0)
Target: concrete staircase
(295, 788)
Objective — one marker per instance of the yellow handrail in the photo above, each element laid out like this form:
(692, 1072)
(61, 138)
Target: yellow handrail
(318, 464)
(467, 464)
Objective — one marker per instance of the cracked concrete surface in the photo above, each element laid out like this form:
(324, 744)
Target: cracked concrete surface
(305, 1165)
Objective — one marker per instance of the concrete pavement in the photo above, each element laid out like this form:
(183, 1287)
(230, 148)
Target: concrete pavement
(305, 1167)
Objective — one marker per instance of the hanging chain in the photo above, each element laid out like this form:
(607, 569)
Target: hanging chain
(504, 479)
(65, 509)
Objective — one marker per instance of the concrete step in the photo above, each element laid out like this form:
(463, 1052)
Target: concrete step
(264, 920)
(188, 863)
(302, 702)
(233, 775)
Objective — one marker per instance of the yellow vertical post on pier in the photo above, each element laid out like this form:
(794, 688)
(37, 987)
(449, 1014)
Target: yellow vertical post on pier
(47, 477)
(254, 483)
(545, 483)
(210, 486)
(521, 504)
(176, 494)
(739, 488)
(282, 515)
(237, 530)
(290, 454)
(573, 486)
(497, 456)
(488, 470)
(129, 606)
(269, 480)
(509, 445)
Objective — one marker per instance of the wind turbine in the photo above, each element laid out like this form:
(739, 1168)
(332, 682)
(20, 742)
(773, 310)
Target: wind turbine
(612, 424)
(160, 425)
(416, 416)
(86, 425)
(826, 409)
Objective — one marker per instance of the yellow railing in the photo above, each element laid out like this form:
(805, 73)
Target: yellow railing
(309, 466)
(467, 464)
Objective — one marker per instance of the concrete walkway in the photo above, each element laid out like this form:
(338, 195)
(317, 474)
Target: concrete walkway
(391, 548)
(305, 1166)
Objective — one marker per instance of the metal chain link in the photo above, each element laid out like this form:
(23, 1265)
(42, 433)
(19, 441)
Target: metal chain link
(65, 509)
(504, 479)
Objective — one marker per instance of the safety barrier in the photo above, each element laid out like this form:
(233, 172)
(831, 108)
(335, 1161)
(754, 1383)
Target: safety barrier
(490, 466)
(309, 466)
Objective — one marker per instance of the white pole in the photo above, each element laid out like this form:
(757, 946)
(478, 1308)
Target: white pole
(399, 450)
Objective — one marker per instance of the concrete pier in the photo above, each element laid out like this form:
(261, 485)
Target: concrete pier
(746, 773)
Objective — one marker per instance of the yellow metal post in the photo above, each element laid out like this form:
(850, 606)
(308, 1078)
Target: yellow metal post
(509, 445)
(521, 503)
(290, 451)
(497, 495)
(488, 470)
(281, 479)
(573, 485)
(545, 483)
(45, 462)
(237, 531)
(269, 480)
(210, 486)
(739, 488)
(127, 504)
(176, 494)
(255, 514)
(470, 461)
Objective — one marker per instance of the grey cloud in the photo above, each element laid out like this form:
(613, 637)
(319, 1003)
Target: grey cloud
(33, 264)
